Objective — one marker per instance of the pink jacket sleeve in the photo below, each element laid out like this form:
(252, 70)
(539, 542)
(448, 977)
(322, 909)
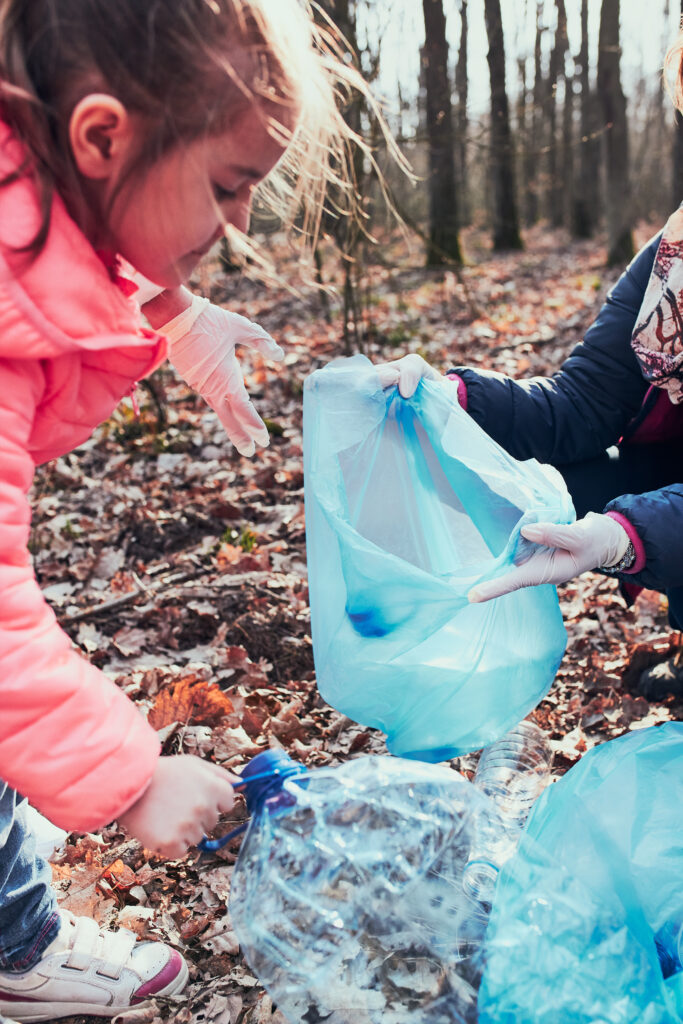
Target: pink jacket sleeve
(70, 740)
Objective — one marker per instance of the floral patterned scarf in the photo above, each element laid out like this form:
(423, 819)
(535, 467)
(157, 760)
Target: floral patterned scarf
(657, 339)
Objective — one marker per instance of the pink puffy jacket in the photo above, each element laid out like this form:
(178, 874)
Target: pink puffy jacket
(71, 345)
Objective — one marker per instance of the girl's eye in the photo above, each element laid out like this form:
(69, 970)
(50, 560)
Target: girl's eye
(221, 194)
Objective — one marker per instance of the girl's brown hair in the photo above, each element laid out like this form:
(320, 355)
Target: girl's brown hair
(174, 63)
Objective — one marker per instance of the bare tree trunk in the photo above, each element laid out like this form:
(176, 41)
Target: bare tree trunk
(524, 117)
(524, 124)
(345, 230)
(618, 198)
(585, 212)
(523, 132)
(566, 189)
(399, 114)
(505, 222)
(533, 163)
(322, 294)
(444, 244)
(555, 200)
(461, 90)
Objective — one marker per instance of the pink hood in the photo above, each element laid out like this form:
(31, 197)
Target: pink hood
(71, 345)
(66, 299)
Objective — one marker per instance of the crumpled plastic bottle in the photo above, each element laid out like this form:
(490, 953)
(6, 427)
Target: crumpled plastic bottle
(513, 772)
(348, 896)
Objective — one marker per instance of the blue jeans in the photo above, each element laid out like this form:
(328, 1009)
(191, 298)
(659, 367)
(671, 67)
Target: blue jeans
(28, 907)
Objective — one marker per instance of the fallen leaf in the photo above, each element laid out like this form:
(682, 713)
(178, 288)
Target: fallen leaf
(78, 890)
(220, 938)
(119, 875)
(190, 700)
(89, 637)
(139, 1015)
(229, 743)
(130, 641)
(222, 1009)
(136, 919)
(254, 674)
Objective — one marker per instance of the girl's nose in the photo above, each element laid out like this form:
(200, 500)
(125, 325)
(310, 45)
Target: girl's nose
(240, 216)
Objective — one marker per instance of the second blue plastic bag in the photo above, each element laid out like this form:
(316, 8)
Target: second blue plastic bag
(587, 921)
(408, 505)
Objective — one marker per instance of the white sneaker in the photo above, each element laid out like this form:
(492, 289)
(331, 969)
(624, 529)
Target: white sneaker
(87, 970)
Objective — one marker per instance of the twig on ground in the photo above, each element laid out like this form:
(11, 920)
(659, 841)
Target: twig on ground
(518, 342)
(226, 580)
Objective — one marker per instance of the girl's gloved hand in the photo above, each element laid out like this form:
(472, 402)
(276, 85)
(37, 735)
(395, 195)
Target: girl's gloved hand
(182, 803)
(595, 541)
(202, 343)
(406, 372)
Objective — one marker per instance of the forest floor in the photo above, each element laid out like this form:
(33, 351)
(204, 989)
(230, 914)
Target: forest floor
(179, 568)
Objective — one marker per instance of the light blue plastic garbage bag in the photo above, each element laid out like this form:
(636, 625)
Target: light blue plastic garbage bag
(587, 913)
(408, 505)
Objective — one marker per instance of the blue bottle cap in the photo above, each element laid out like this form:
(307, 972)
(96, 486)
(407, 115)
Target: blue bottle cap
(269, 770)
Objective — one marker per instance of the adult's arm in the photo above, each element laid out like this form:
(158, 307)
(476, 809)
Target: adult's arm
(70, 740)
(586, 406)
(656, 517)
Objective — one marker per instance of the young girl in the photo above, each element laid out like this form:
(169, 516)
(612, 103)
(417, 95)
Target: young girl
(134, 131)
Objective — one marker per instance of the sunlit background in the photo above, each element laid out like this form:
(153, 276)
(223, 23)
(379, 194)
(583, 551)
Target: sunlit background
(396, 29)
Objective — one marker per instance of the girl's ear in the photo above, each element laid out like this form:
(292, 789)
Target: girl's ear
(101, 136)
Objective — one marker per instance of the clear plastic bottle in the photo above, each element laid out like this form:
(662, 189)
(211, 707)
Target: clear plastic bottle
(348, 896)
(513, 772)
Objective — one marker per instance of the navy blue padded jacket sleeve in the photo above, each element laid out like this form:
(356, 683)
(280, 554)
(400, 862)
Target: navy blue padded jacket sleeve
(658, 519)
(586, 406)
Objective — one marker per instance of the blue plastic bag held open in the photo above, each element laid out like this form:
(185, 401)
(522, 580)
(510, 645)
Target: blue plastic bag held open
(408, 505)
(587, 920)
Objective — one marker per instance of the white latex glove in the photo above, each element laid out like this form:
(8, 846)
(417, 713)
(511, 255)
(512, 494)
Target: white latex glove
(202, 343)
(406, 372)
(569, 549)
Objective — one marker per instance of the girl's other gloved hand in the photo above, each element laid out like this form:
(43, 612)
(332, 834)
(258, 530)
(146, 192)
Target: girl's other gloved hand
(202, 342)
(406, 372)
(182, 803)
(596, 540)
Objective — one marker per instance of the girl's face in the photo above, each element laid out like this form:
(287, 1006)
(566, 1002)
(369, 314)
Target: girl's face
(164, 221)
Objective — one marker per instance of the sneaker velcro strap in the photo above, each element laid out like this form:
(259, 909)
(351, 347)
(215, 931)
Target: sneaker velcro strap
(108, 952)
